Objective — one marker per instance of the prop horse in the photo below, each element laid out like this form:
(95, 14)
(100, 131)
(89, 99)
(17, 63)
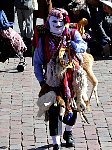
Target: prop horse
(60, 70)
(87, 66)
(80, 76)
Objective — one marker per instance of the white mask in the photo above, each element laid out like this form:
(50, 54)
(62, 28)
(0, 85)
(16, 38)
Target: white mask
(56, 25)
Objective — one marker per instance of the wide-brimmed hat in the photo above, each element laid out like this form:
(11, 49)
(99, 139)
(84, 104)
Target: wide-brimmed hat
(107, 2)
(4, 23)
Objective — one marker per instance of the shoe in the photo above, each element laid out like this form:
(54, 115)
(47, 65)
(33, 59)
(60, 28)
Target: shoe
(68, 137)
(56, 147)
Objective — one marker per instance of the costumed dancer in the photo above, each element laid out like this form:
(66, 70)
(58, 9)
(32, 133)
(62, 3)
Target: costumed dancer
(56, 36)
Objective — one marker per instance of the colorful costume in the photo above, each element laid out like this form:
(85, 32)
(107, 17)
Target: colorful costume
(56, 36)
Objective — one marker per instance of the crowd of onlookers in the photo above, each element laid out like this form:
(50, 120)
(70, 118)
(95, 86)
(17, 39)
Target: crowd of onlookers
(97, 12)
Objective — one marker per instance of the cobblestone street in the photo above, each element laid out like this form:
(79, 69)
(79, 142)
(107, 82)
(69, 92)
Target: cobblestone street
(20, 129)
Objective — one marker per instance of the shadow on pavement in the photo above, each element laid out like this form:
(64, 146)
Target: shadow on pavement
(97, 58)
(42, 147)
(10, 70)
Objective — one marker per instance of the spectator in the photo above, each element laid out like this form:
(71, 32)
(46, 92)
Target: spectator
(25, 19)
(77, 11)
(100, 38)
(10, 40)
(44, 6)
(107, 21)
(75, 8)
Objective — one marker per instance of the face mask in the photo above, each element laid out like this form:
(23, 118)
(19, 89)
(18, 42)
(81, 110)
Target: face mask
(56, 25)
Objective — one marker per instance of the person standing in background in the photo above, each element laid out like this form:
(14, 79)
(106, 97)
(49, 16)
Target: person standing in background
(100, 37)
(25, 19)
(9, 11)
(44, 6)
(107, 24)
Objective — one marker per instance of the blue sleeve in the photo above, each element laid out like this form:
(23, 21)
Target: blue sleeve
(78, 44)
(38, 61)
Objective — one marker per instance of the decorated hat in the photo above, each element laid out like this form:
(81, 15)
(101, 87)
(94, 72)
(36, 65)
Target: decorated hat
(4, 23)
(59, 12)
(107, 2)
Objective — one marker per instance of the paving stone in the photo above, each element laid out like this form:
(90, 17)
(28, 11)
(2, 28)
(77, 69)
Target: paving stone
(21, 129)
